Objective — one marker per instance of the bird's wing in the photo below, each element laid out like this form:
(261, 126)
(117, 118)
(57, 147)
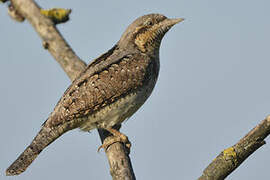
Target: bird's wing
(98, 87)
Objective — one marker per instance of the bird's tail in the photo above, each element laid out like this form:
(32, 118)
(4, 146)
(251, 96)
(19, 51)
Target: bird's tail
(42, 140)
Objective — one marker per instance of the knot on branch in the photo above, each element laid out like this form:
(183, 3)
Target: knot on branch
(14, 14)
(57, 15)
(45, 45)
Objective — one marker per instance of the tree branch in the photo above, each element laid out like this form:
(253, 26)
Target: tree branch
(52, 39)
(229, 159)
(120, 164)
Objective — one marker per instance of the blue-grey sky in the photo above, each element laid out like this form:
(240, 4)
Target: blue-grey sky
(212, 89)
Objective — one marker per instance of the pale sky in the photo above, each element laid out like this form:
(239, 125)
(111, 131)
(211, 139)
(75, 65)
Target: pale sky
(212, 89)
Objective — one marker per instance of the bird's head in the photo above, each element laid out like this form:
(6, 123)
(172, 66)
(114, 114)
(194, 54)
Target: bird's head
(146, 32)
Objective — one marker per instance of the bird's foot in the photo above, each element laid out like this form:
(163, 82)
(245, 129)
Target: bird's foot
(117, 137)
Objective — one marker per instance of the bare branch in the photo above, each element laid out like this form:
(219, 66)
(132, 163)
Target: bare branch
(118, 154)
(229, 159)
(120, 164)
(52, 39)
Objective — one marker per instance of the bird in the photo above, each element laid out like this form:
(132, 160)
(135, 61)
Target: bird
(109, 91)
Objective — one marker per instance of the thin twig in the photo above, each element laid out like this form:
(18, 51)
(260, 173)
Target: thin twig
(229, 159)
(120, 165)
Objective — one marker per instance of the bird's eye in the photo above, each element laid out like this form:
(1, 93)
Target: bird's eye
(149, 23)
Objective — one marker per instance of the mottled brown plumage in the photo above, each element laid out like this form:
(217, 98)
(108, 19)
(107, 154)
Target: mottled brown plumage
(110, 90)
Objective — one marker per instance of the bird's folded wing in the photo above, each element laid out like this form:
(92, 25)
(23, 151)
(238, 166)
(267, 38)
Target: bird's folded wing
(97, 88)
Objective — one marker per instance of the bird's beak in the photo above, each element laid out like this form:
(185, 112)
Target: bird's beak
(171, 22)
(166, 24)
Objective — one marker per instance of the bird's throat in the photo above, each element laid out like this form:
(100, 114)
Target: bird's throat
(149, 39)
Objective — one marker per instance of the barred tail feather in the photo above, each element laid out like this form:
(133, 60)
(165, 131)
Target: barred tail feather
(42, 140)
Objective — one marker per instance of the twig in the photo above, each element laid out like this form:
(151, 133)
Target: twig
(120, 165)
(229, 159)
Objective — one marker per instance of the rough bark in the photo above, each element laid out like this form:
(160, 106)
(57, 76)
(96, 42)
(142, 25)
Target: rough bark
(118, 157)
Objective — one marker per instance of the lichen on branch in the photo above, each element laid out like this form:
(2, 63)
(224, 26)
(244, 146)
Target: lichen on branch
(57, 15)
(231, 158)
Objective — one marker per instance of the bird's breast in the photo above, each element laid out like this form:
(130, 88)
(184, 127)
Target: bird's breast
(118, 111)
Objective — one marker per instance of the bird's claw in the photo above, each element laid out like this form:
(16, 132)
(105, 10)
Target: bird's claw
(117, 137)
